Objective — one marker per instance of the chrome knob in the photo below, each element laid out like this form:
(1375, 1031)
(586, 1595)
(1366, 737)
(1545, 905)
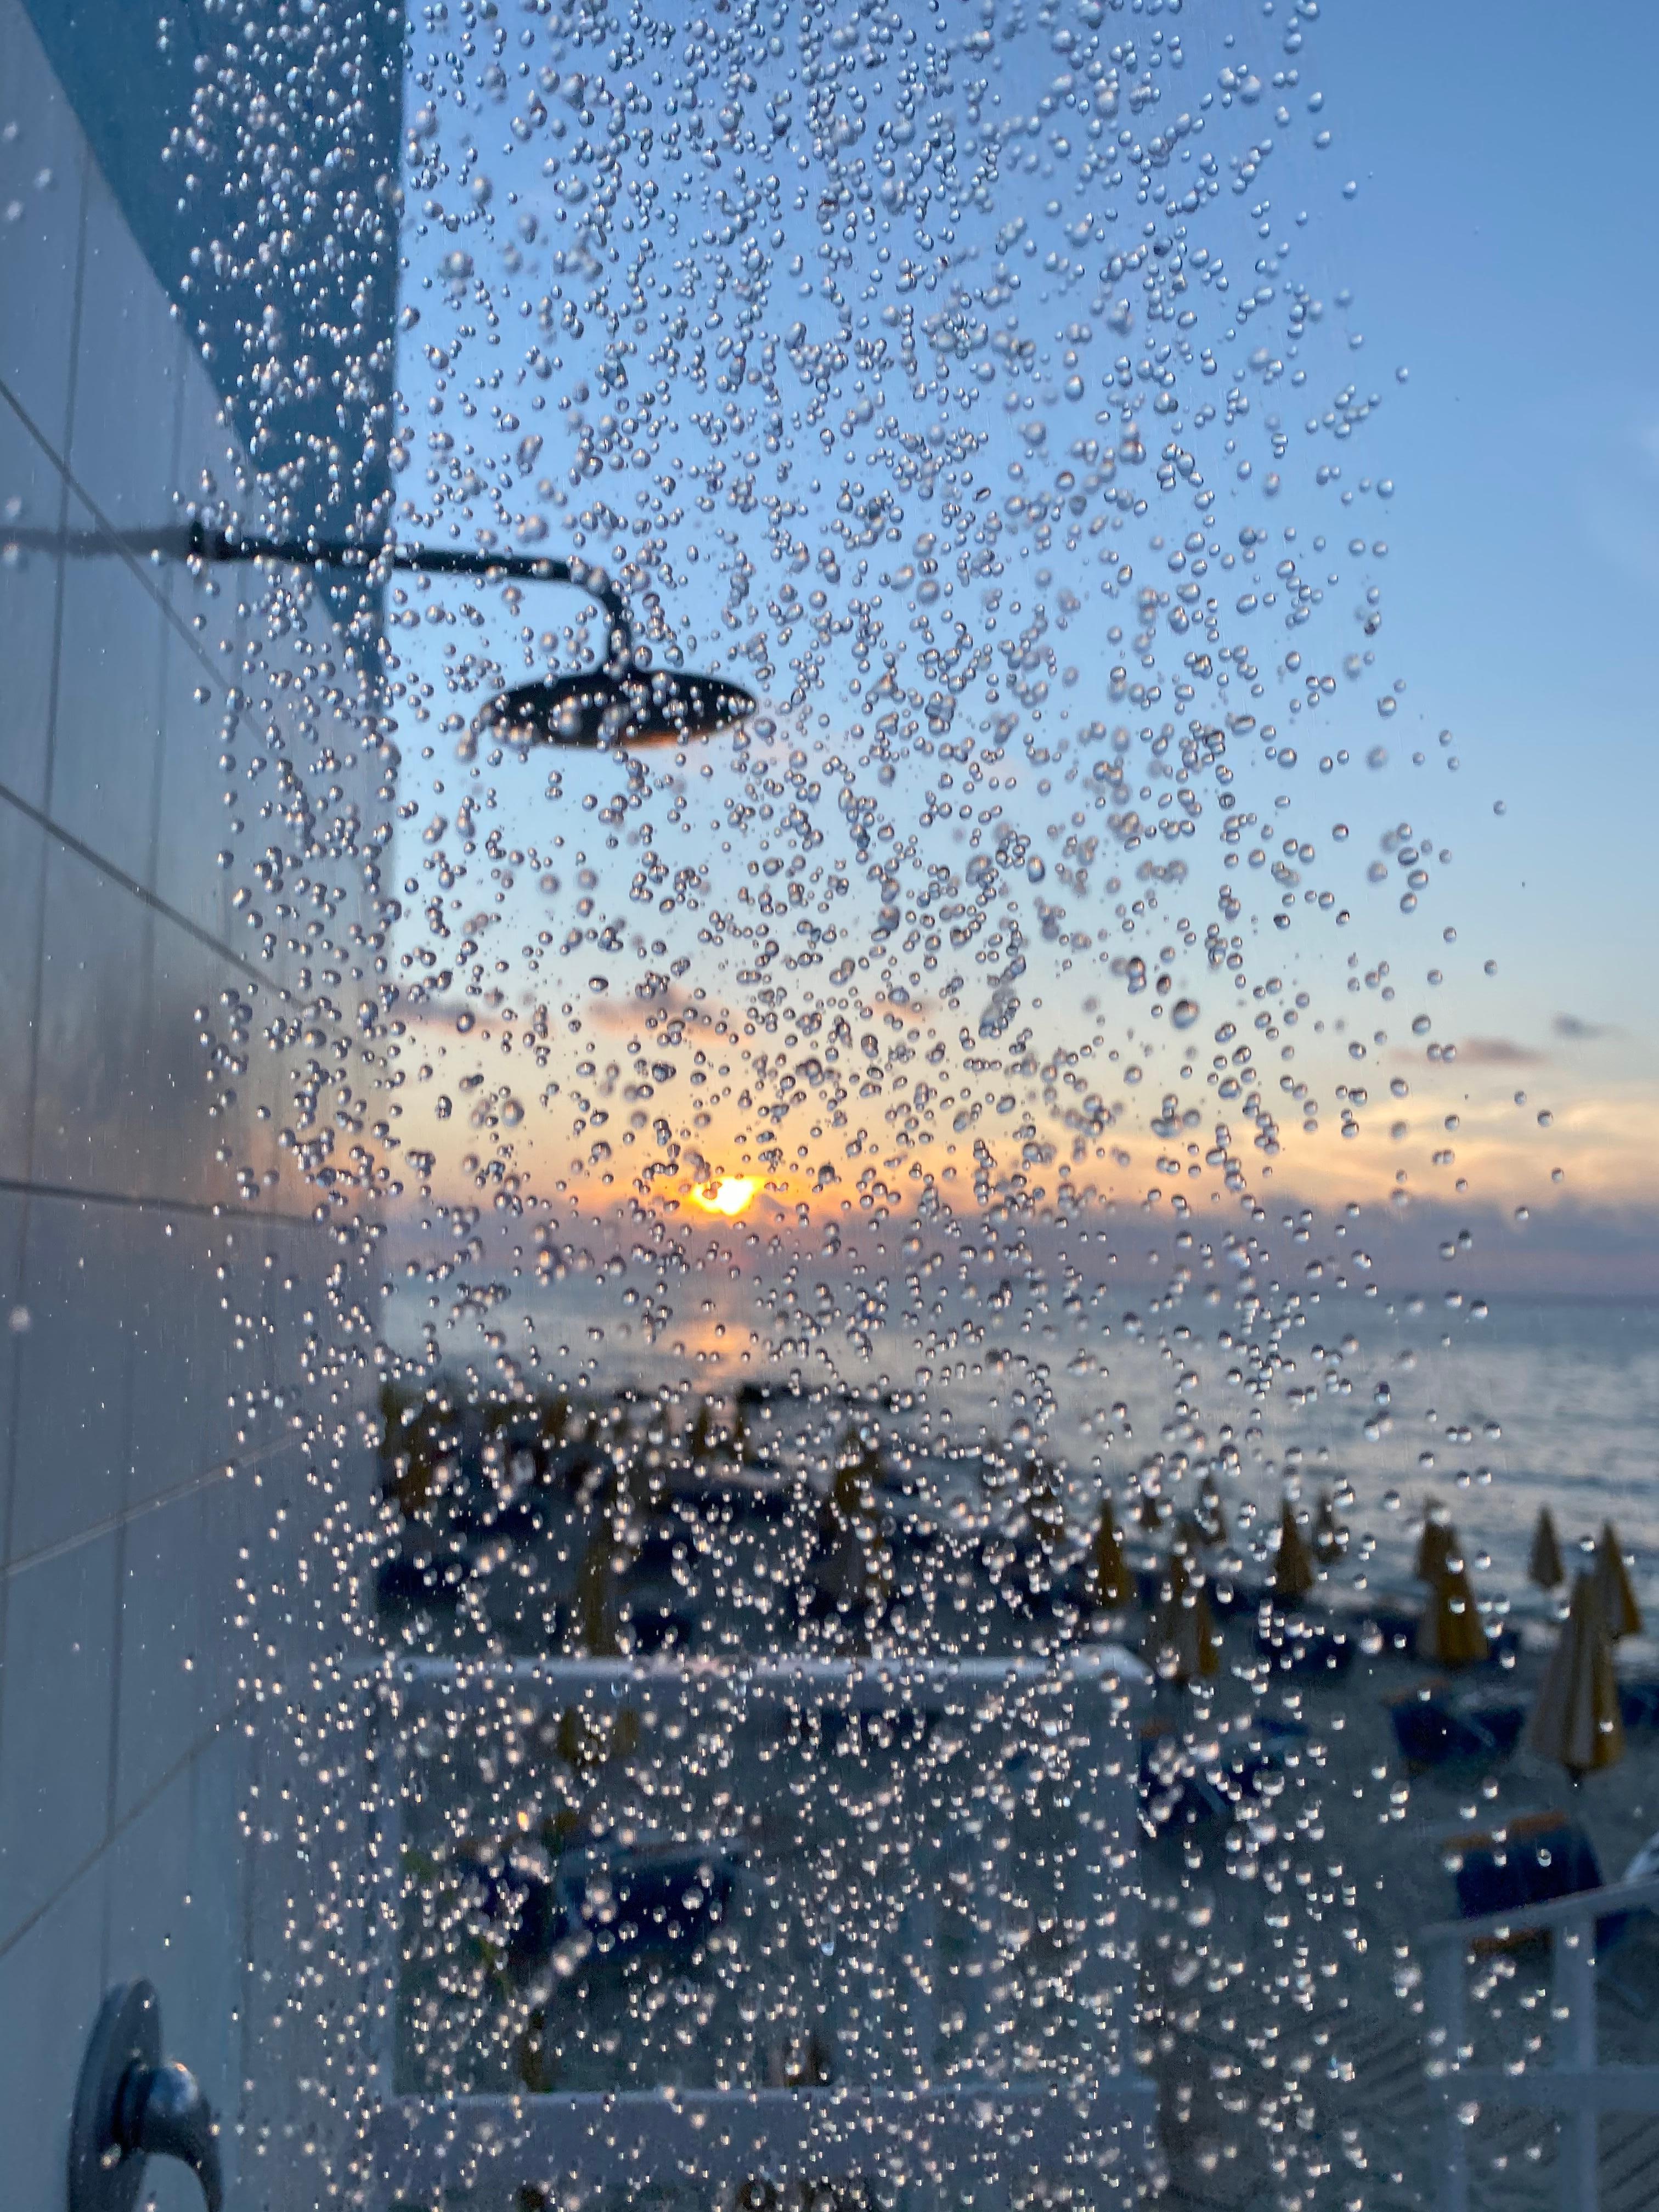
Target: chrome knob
(131, 2105)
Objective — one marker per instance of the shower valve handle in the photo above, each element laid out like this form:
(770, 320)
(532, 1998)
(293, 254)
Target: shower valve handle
(132, 2106)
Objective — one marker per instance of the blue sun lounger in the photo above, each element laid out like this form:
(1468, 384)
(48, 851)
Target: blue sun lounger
(1431, 1730)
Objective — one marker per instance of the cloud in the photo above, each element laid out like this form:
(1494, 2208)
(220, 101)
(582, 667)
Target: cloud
(1499, 1051)
(656, 1000)
(1582, 1032)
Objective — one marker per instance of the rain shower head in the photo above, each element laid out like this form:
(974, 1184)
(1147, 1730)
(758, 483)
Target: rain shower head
(603, 706)
(616, 704)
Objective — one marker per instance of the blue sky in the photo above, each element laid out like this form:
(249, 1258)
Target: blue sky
(1496, 247)
(1486, 251)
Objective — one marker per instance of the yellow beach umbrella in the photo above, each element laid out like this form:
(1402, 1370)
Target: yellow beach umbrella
(1114, 1583)
(1182, 1642)
(1435, 1544)
(1544, 1566)
(1294, 1575)
(1576, 1720)
(1450, 1633)
(1619, 1610)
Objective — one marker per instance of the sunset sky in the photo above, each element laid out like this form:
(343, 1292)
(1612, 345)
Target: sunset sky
(1518, 568)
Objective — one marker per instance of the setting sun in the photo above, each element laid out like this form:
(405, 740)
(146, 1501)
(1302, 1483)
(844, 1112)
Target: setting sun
(729, 1196)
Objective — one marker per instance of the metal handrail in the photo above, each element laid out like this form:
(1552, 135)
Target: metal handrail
(1573, 2086)
(1557, 1911)
(612, 2138)
(615, 2139)
(895, 1674)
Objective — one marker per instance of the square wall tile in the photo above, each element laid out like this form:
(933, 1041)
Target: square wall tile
(56, 1708)
(177, 1916)
(93, 1033)
(31, 505)
(290, 2054)
(215, 1940)
(187, 1108)
(73, 1416)
(51, 1987)
(192, 823)
(23, 846)
(106, 731)
(210, 463)
(195, 1349)
(168, 1588)
(149, 1872)
(123, 1103)
(128, 374)
(42, 171)
(152, 1928)
(15, 1324)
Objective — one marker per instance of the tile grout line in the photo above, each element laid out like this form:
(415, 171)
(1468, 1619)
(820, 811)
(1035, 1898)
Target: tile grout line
(203, 1209)
(114, 1762)
(256, 1456)
(118, 550)
(116, 1654)
(214, 1728)
(38, 981)
(130, 884)
(164, 674)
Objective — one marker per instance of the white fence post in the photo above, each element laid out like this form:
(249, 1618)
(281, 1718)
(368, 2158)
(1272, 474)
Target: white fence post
(976, 2130)
(1446, 1996)
(1574, 2004)
(1574, 2087)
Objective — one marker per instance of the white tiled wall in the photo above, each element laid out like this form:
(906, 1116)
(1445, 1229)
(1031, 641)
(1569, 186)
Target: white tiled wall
(138, 1769)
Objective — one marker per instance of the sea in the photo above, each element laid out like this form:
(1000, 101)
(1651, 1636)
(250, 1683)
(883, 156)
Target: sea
(1387, 1404)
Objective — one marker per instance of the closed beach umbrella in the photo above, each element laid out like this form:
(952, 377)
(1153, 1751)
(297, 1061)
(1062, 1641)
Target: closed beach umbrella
(853, 1567)
(409, 1452)
(1330, 1537)
(1293, 1567)
(1114, 1583)
(1434, 1546)
(1544, 1567)
(597, 1592)
(1045, 1505)
(1182, 1643)
(1619, 1610)
(1576, 1720)
(1450, 1633)
(1149, 1513)
(1212, 1517)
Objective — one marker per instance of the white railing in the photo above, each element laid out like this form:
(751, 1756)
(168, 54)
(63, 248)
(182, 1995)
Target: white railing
(949, 2131)
(1572, 2087)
